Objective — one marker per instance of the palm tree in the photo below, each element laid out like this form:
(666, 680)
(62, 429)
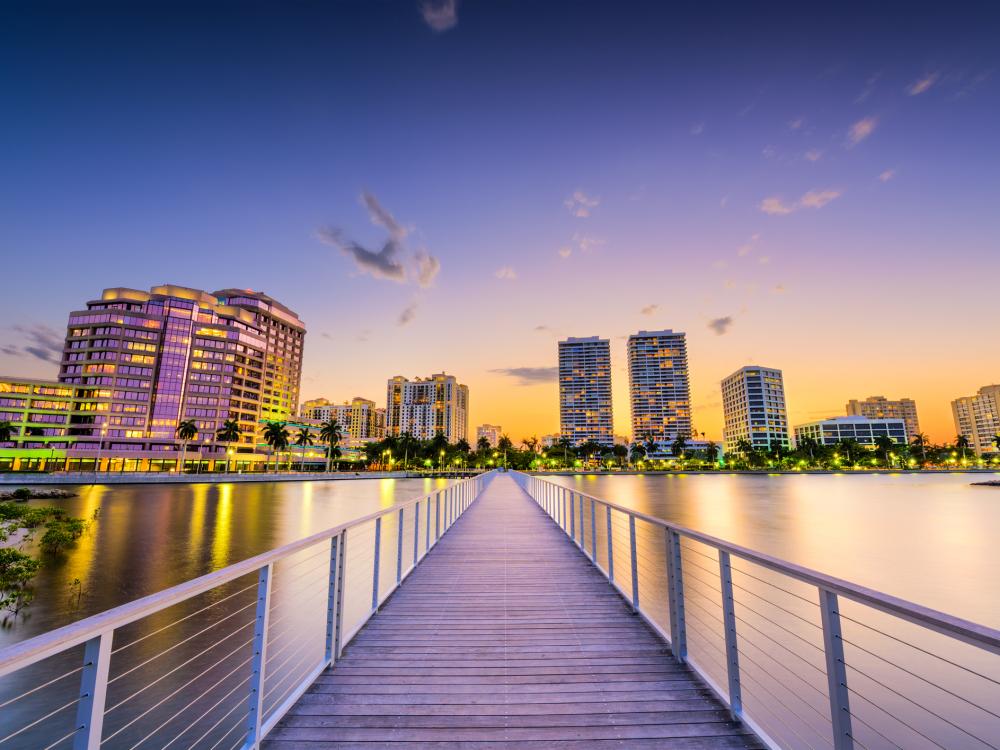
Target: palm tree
(638, 450)
(228, 433)
(303, 438)
(406, 443)
(186, 431)
(886, 445)
(920, 441)
(330, 432)
(276, 436)
(679, 446)
(483, 447)
(530, 444)
(6, 431)
(711, 452)
(505, 444)
(565, 443)
(588, 448)
(962, 443)
(621, 453)
(651, 445)
(996, 441)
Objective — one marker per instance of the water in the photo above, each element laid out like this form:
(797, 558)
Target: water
(927, 538)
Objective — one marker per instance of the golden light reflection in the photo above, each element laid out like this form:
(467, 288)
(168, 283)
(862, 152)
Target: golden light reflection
(223, 527)
(80, 563)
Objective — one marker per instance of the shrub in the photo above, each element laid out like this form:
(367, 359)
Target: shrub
(21, 493)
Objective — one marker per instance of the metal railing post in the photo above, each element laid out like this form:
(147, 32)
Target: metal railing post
(583, 534)
(437, 517)
(399, 551)
(836, 671)
(378, 555)
(427, 541)
(675, 595)
(732, 646)
(256, 710)
(334, 581)
(633, 553)
(93, 692)
(572, 516)
(338, 629)
(562, 509)
(611, 549)
(593, 530)
(416, 532)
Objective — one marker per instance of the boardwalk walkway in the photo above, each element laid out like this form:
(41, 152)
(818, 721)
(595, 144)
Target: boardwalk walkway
(506, 636)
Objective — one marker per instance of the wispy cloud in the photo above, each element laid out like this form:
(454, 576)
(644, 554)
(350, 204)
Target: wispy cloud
(391, 261)
(921, 85)
(697, 128)
(42, 343)
(813, 155)
(868, 89)
(440, 15)
(542, 328)
(529, 375)
(587, 243)
(722, 325)
(861, 130)
(887, 174)
(565, 251)
(506, 272)
(764, 260)
(580, 204)
(650, 310)
(776, 206)
(778, 289)
(797, 123)
(408, 314)
(720, 264)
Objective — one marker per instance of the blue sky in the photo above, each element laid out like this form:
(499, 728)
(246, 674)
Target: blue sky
(784, 183)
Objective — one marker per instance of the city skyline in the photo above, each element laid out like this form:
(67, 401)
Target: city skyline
(812, 208)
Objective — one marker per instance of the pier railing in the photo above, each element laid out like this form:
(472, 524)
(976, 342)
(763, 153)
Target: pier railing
(217, 661)
(806, 660)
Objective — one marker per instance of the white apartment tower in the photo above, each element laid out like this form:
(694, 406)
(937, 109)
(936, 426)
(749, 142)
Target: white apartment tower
(585, 390)
(491, 432)
(753, 408)
(978, 418)
(659, 386)
(427, 406)
(879, 407)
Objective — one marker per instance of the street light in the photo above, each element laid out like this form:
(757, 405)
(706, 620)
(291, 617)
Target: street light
(100, 450)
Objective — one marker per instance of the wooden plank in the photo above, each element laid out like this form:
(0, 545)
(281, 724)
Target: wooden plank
(507, 636)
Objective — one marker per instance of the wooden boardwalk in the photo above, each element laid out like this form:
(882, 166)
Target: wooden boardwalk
(506, 636)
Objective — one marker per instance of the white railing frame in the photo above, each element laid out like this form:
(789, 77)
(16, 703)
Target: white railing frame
(551, 497)
(98, 631)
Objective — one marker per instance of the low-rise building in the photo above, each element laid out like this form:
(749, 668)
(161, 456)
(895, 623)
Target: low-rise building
(859, 429)
(491, 432)
(360, 419)
(879, 407)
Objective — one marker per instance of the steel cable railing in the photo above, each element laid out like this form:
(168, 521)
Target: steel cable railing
(217, 661)
(804, 659)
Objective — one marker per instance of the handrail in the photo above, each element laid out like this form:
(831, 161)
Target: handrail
(965, 630)
(97, 632)
(847, 678)
(25, 652)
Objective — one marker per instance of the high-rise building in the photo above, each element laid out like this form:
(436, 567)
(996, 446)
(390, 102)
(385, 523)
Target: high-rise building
(978, 418)
(659, 386)
(143, 362)
(860, 429)
(879, 407)
(491, 432)
(585, 390)
(359, 418)
(753, 408)
(426, 406)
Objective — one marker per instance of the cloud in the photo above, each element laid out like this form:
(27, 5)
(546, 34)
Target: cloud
(650, 309)
(797, 123)
(813, 155)
(427, 268)
(440, 15)
(698, 128)
(769, 152)
(408, 313)
(44, 343)
(541, 328)
(778, 289)
(922, 84)
(326, 335)
(507, 273)
(391, 261)
(580, 204)
(724, 201)
(764, 260)
(861, 130)
(586, 243)
(869, 88)
(721, 265)
(818, 198)
(721, 326)
(530, 375)
(775, 206)
(565, 251)
(887, 175)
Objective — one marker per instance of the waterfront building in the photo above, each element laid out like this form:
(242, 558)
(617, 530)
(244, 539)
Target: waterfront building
(39, 413)
(360, 419)
(547, 441)
(491, 432)
(659, 386)
(977, 418)
(585, 412)
(879, 407)
(753, 408)
(426, 406)
(860, 429)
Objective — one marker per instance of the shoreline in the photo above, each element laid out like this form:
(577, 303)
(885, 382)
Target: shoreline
(761, 472)
(84, 478)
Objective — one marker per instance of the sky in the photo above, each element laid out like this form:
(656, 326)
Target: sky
(455, 186)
